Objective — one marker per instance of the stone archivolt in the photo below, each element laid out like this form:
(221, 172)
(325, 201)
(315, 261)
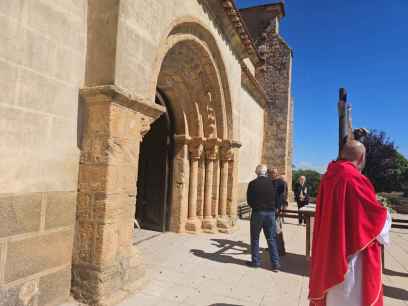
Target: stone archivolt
(191, 77)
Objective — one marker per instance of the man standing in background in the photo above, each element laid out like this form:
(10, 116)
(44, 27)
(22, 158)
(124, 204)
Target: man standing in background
(261, 197)
(281, 189)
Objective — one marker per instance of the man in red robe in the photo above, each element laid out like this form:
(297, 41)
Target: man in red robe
(349, 226)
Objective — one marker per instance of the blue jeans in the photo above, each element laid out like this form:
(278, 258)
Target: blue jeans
(264, 220)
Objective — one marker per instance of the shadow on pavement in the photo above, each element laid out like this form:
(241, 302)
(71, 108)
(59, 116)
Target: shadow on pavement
(222, 304)
(396, 293)
(394, 273)
(229, 249)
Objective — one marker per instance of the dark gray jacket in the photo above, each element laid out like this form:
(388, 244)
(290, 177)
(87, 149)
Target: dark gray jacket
(261, 194)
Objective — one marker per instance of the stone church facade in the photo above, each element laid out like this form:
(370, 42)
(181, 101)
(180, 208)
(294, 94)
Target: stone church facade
(120, 110)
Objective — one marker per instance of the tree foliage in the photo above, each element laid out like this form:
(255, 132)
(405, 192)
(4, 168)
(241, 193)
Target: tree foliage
(385, 167)
(312, 179)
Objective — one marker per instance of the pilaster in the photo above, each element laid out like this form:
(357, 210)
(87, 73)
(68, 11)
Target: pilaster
(105, 264)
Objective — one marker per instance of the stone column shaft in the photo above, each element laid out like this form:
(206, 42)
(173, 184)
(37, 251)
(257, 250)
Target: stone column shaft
(216, 188)
(208, 189)
(180, 185)
(224, 189)
(233, 182)
(201, 188)
(226, 156)
(192, 197)
(211, 155)
(196, 149)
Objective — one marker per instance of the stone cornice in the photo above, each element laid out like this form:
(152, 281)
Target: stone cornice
(120, 96)
(228, 20)
(251, 84)
(240, 27)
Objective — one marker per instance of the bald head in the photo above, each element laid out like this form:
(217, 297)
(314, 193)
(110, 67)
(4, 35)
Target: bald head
(355, 152)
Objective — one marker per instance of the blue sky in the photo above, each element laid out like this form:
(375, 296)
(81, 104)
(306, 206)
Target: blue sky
(361, 45)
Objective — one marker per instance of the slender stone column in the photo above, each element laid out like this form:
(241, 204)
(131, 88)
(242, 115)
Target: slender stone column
(201, 187)
(216, 188)
(211, 152)
(233, 182)
(196, 149)
(180, 185)
(226, 155)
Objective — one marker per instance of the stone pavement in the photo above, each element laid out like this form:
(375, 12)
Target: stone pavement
(207, 270)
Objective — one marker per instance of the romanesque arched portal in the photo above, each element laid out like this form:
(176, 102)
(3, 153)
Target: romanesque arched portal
(191, 75)
(203, 157)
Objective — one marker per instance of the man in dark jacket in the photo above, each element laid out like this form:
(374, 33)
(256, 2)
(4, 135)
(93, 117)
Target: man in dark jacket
(261, 198)
(281, 202)
(281, 188)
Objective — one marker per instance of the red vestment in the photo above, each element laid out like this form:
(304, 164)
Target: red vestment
(348, 220)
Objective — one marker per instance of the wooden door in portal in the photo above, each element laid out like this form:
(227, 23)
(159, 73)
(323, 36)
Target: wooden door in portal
(154, 176)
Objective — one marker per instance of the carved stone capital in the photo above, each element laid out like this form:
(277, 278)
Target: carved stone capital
(226, 151)
(123, 113)
(145, 123)
(212, 146)
(196, 147)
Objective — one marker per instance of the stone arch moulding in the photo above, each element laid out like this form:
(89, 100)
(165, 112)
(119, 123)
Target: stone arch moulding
(193, 28)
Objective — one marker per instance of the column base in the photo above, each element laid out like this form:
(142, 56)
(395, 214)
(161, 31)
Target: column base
(209, 225)
(193, 225)
(108, 285)
(224, 224)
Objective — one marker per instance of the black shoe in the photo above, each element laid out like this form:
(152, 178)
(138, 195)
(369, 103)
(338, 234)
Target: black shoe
(275, 268)
(252, 265)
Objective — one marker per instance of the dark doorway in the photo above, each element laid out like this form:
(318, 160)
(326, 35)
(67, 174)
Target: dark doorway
(154, 176)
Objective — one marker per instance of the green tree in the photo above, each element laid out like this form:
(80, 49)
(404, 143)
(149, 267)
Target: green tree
(385, 167)
(401, 174)
(312, 179)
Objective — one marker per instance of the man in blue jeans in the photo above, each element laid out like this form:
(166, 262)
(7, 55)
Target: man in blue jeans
(261, 198)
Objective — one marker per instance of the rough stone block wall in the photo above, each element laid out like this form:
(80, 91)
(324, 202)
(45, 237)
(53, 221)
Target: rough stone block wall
(42, 56)
(275, 76)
